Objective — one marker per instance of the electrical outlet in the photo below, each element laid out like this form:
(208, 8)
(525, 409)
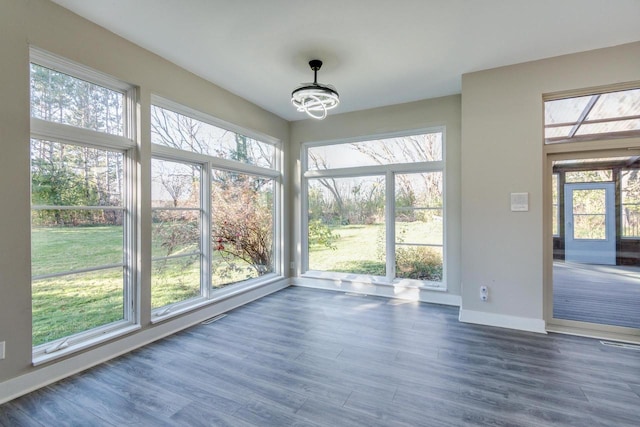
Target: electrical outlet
(484, 293)
(2, 345)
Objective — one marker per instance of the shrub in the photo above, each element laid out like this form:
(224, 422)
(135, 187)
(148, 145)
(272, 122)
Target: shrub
(320, 234)
(419, 263)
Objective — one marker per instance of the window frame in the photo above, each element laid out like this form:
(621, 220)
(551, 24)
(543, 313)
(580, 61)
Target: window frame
(208, 163)
(126, 144)
(388, 172)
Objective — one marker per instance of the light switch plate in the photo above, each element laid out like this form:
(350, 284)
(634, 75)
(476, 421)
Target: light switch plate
(1, 350)
(519, 202)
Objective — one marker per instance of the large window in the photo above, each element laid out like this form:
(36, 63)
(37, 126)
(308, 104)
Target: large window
(215, 198)
(376, 208)
(80, 200)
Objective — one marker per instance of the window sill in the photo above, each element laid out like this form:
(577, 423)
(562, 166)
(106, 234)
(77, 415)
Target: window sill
(376, 280)
(216, 296)
(80, 343)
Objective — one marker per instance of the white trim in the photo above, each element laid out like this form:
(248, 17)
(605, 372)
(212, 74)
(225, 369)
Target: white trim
(169, 311)
(503, 321)
(67, 134)
(182, 156)
(46, 375)
(40, 356)
(396, 290)
(371, 170)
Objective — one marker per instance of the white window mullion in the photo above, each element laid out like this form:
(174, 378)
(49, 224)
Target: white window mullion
(205, 230)
(52, 131)
(390, 225)
(130, 233)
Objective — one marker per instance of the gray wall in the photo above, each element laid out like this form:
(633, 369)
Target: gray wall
(502, 152)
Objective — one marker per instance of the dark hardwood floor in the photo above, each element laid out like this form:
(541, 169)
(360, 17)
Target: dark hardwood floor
(604, 294)
(304, 357)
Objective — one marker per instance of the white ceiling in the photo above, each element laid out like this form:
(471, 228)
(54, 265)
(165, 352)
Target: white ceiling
(376, 52)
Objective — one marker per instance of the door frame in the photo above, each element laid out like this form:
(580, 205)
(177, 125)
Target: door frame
(578, 150)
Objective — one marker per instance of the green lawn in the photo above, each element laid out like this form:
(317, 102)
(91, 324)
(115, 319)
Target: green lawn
(73, 303)
(356, 251)
(359, 249)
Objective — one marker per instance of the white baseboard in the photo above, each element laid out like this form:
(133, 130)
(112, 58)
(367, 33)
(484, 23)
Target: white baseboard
(503, 321)
(45, 375)
(411, 293)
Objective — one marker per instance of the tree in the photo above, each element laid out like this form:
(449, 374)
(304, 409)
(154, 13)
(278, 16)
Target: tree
(242, 205)
(242, 221)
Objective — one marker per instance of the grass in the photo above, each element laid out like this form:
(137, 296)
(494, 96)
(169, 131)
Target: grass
(74, 303)
(356, 251)
(360, 248)
(69, 304)
(58, 249)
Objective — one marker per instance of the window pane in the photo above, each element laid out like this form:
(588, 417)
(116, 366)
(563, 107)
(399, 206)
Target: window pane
(406, 149)
(419, 262)
(57, 245)
(70, 304)
(69, 175)
(346, 225)
(564, 110)
(616, 104)
(557, 132)
(175, 232)
(241, 227)
(185, 133)
(609, 127)
(419, 226)
(174, 280)
(589, 214)
(60, 98)
(589, 227)
(174, 184)
(589, 176)
(630, 184)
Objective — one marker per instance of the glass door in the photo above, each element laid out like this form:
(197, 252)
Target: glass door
(590, 226)
(596, 246)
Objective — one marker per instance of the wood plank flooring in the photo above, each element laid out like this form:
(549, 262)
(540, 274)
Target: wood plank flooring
(305, 357)
(604, 294)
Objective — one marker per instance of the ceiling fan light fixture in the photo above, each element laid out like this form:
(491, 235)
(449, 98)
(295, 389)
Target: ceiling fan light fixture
(315, 99)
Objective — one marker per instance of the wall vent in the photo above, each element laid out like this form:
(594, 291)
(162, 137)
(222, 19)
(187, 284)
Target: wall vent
(354, 294)
(213, 319)
(621, 345)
